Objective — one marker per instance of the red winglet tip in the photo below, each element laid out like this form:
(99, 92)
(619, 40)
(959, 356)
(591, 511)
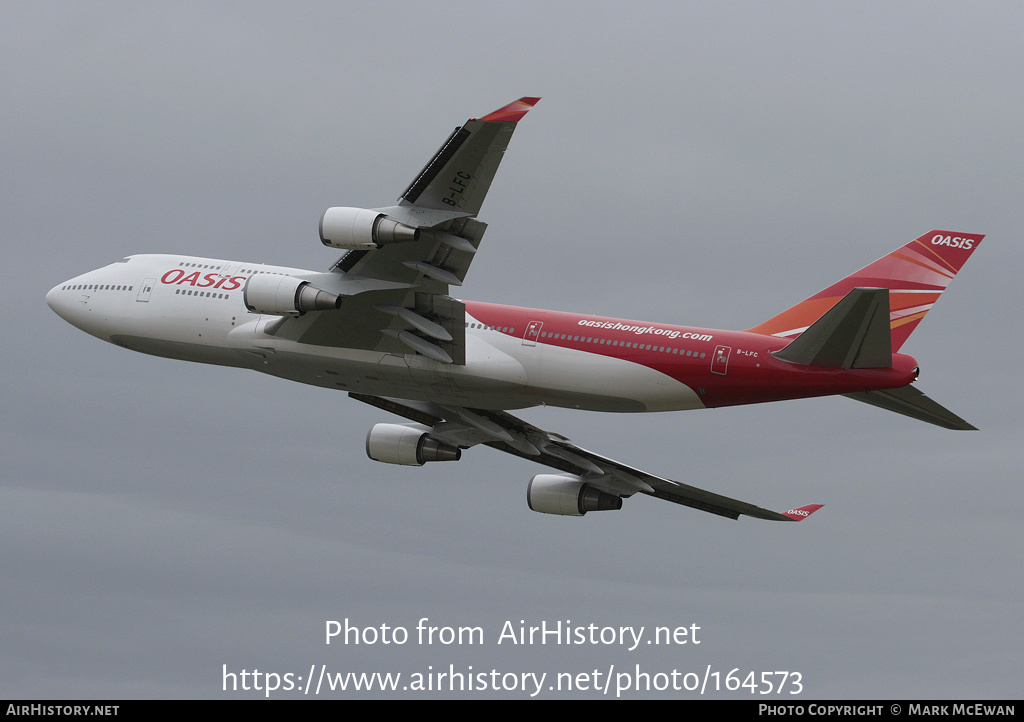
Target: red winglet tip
(802, 512)
(512, 112)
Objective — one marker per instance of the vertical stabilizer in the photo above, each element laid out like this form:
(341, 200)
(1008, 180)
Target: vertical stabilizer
(916, 275)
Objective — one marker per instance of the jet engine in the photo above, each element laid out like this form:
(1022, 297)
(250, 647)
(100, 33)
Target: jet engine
(568, 496)
(361, 229)
(286, 296)
(409, 445)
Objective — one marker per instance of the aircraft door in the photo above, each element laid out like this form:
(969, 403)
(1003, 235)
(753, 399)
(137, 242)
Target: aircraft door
(720, 360)
(145, 290)
(532, 333)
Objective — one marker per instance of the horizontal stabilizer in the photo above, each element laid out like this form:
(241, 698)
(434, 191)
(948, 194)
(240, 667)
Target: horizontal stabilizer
(852, 334)
(911, 402)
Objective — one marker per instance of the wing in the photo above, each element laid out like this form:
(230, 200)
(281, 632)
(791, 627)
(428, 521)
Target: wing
(396, 295)
(462, 427)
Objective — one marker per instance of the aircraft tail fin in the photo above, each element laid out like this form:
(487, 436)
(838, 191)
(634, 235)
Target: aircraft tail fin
(915, 275)
(911, 402)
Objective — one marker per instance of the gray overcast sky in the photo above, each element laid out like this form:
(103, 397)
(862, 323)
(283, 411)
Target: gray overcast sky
(695, 163)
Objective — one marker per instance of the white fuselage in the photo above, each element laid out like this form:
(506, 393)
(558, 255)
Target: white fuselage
(192, 309)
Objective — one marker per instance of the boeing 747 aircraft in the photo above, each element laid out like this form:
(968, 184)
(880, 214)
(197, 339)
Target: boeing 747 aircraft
(380, 325)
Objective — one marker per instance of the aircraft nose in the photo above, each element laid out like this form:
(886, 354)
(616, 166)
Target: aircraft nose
(65, 303)
(54, 300)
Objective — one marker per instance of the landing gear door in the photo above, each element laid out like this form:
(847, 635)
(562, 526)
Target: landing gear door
(532, 333)
(720, 361)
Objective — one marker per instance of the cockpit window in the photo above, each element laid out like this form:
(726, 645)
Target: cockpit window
(125, 259)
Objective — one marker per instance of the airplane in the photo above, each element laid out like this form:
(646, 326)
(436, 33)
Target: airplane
(380, 325)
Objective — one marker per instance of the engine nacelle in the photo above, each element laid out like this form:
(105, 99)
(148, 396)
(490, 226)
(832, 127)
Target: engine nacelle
(568, 496)
(280, 295)
(361, 229)
(409, 445)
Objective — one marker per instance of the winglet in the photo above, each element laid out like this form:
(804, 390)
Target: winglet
(470, 156)
(803, 512)
(513, 112)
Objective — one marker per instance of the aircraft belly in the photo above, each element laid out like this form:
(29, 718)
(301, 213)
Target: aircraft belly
(571, 378)
(492, 380)
(181, 350)
(197, 330)
(621, 385)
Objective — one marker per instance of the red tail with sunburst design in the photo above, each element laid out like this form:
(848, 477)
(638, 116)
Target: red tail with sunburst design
(916, 275)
